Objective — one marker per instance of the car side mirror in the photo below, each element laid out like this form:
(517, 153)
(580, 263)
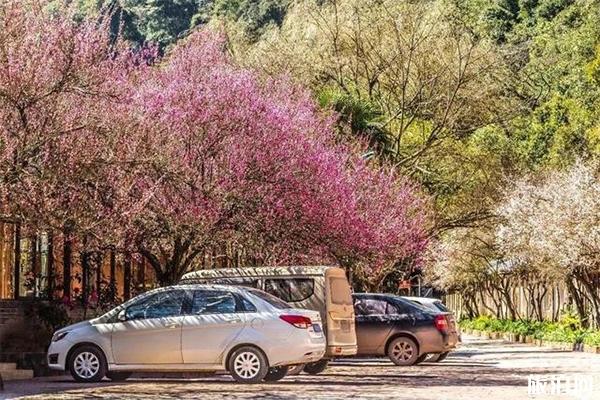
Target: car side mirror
(122, 316)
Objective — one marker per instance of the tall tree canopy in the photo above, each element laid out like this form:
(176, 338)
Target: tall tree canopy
(196, 153)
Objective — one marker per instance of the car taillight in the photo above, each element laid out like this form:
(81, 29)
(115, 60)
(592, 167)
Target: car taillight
(298, 321)
(441, 323)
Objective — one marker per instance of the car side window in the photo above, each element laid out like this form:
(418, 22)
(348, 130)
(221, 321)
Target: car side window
(247, 306)
(213, 302)
(160, 305)
(370, 306)
(393, 309)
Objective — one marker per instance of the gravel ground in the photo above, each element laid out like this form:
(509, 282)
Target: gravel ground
(480, 369)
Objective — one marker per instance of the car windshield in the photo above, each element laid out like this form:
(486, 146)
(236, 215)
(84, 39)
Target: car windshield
(440, 306)
(111, 314)
(269, 298)
(412, 304)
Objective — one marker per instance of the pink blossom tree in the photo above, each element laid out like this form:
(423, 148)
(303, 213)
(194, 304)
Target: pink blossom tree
(58, 148)
(253, 162)
(174, 159)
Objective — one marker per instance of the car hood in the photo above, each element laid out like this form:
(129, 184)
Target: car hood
(78, 325)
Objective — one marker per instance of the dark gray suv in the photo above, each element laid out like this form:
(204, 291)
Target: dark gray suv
(404, 331)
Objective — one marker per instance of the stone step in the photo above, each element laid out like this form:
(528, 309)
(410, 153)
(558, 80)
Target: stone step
(7, 366)
(6, 320)
(13, 375)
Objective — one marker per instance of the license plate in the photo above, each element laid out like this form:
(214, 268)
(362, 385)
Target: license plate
(317, 328)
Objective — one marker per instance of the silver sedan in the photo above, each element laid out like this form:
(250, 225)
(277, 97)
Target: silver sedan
(247, 332)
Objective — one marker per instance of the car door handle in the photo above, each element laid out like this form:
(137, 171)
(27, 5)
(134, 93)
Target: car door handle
(233, 321)
(172, 326)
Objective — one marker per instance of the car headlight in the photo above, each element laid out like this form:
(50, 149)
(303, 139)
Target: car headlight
(59, 335)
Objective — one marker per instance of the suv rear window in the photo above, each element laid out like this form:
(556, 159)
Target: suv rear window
(340, 291)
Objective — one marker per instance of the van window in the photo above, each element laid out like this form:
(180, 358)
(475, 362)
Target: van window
(291, 289)
(272, 300)
(340, 291)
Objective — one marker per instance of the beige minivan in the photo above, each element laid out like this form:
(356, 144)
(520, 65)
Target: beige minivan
(321, 288)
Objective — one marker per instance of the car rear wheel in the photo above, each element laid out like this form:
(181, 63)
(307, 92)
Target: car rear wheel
(87, 364)
(276, 373)
(403, 351)
(295, 369)
(442, 356)
(316, 367)
(118, 376)
(248, 365)
(421, 358)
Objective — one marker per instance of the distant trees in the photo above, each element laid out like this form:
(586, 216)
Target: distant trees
(163, 22)
(174, 157)
(547, 233)
(407, 77)
(552, 224)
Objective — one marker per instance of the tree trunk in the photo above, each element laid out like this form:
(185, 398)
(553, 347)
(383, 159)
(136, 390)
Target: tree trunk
(67, 250)
(170, 271)
(585, 280)
(50, 286)
(113, 278)
(17, 266)
(576, 297)
(127, 277)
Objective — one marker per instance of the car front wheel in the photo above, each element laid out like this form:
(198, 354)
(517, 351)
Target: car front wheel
(403, 351)
(117, 376)
(87, 364)
(248, 365)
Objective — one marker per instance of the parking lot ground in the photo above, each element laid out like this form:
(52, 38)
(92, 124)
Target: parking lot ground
(480, 369)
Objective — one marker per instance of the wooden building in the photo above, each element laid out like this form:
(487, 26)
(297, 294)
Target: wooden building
(39, 266)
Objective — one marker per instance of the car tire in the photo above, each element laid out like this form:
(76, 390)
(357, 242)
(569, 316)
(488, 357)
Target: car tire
(403, 351)
(442, 356)
(248, 365)
(421, 358)
(276, 373)
(316, 367)
(118, 376)
(87, 364)
(295, 369)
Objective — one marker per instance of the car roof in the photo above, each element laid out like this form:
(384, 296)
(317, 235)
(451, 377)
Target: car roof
(208, 286)
(385, 295)
(248, 272)
(423, 299)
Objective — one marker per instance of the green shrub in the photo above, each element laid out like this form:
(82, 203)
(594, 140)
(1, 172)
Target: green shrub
(592, 338)
(567, 330)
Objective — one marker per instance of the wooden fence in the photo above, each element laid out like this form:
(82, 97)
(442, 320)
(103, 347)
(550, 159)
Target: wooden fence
(554, 300)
